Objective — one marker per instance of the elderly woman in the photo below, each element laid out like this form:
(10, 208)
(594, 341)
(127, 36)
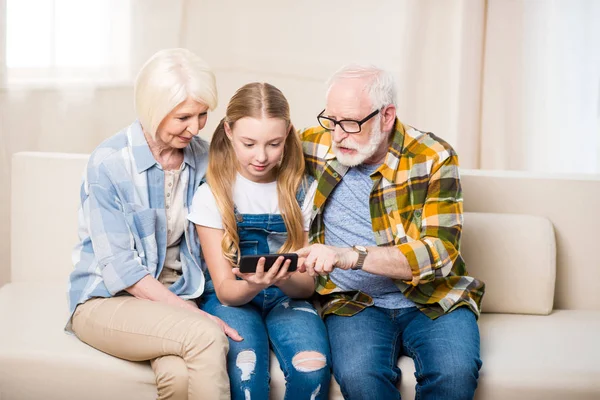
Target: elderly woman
(137, 265)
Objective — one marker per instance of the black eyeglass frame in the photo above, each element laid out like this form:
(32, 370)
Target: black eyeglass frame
(360, 123)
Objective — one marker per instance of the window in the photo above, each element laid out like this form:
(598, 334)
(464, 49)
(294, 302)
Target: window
(67, 41)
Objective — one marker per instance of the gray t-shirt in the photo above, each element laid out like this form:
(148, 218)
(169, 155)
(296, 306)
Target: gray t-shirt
(347, 221)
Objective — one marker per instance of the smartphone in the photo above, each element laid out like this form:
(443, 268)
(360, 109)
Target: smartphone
(248, 263)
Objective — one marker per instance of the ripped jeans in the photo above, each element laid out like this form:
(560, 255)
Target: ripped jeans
(296, 334)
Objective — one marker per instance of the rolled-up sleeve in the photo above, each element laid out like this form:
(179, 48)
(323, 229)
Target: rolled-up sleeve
(434, 254)
(111, 236)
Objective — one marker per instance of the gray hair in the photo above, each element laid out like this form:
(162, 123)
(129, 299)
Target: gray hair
(380, 83)
(167, 79)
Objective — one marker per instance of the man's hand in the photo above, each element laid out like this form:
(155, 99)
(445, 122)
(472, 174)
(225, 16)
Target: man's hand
(320, 259)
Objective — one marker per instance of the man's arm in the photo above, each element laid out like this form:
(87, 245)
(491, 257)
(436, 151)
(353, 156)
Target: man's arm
(418, 261)
(434, 254)
(384, 261)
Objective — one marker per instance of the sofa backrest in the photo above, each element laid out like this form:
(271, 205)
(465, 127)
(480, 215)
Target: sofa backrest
(518, 268)
(570, 202)
(44, 204)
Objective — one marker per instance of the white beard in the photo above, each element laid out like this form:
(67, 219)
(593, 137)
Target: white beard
(375, 140)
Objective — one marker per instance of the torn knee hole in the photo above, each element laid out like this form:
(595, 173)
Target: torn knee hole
(246, 362)
(308, 361)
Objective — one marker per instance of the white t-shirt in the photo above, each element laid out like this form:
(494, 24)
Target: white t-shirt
(249, 198)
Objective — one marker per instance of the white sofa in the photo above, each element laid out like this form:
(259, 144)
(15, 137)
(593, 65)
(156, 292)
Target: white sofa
(533, 240)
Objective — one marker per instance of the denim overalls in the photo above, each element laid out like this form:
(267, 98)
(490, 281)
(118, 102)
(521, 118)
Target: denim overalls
(289, 326)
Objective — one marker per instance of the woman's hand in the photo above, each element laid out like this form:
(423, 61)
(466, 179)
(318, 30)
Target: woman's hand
(278, 273)
(150, 288)
(229, 331)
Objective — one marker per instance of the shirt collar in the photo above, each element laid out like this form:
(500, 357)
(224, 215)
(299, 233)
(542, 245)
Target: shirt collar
(389, 168)
(141, 150)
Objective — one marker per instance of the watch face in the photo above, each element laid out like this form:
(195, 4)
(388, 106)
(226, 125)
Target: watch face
(361, 248)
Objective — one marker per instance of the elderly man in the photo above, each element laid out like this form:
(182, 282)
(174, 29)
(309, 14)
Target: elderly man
(387, 220)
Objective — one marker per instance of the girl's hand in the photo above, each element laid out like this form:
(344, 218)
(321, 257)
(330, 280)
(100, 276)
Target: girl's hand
(278, 273)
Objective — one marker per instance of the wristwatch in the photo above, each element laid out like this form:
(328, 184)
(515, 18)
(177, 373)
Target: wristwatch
(362, 254)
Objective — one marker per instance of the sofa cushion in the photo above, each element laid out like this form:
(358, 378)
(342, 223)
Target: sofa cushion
(38, 360)
(524, 356)
(515, 255)
(540, 357)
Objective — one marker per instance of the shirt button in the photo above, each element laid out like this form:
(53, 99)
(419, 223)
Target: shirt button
(168, 194)
(169, 231)
(170, 184)
(335, 175)
(315, 208)
(168, 206)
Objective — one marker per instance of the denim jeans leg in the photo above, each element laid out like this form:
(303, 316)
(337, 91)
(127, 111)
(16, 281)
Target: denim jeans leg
(365, 349)
(446, 354)
(248, 360)
(299, 340)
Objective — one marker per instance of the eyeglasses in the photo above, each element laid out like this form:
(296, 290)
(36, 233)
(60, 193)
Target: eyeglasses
(347, 125)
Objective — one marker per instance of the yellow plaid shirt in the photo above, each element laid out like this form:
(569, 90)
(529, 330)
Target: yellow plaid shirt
(416, 205)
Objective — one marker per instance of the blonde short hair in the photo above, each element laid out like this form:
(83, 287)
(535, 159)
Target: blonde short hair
(167, 79)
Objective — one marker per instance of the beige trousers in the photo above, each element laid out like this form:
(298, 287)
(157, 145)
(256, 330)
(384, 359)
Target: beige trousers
(187, 351)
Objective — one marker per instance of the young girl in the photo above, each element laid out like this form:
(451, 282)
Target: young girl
(252, 204)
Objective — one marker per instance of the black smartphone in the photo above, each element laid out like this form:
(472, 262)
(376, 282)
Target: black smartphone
(248, 263)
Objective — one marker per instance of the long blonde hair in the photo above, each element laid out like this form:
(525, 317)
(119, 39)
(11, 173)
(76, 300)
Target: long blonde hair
(256, 100)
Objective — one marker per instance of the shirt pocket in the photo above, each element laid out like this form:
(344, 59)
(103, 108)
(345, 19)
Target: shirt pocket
(144, 233)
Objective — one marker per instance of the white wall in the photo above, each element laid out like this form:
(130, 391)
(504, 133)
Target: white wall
(433, 47)
(72, 121)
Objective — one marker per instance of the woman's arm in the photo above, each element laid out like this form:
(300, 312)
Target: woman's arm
(149, 288)
(111, 236)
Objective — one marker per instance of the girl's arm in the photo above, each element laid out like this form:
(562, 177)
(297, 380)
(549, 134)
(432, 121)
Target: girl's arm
(298, 286)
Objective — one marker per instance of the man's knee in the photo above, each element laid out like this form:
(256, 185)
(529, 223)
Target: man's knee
(457, 381)
(359, 383)
(466, 371)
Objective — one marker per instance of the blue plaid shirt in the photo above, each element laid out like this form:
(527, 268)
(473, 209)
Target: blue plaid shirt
(122, 219)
